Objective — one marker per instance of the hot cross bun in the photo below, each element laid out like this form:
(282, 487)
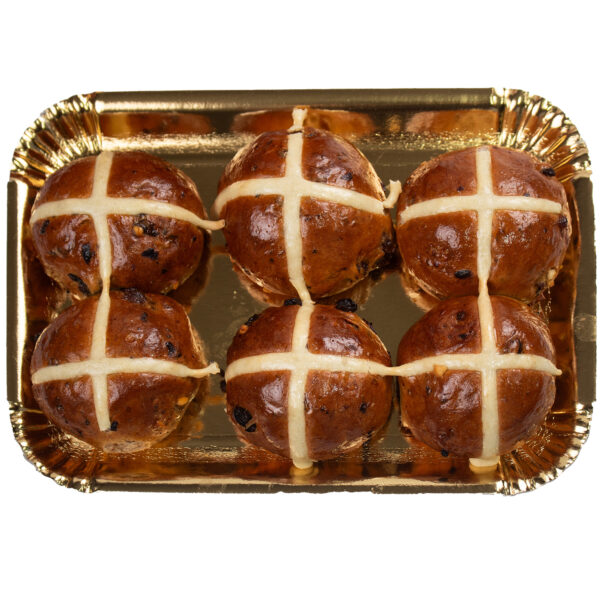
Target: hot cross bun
(141, 214)
(440, 214)
(475, 384)
(304, 212)
(123, 388)
(307, 382)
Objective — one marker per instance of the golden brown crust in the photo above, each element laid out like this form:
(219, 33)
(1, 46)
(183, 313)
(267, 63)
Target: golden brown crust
(436, 247)
(142, 175)
(164, 254)
(452, 327)
(518, 234)
(152, 253)
(527, 247)
(516, 173)
(519, 330)
(344, 334)
(68, 338)
(444, 410)
(256, 409)
(74, 180)
(520, 416)
(271, 331)
(264, 157)
(326, 158)
(330, 159)
(342, 410)
(359, 293)
(341, 245)
(143, 407)
(44, 295)
(150, 325)
(450, 174)
(254, 234)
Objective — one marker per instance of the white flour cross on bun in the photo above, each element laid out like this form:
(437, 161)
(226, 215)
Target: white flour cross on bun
(484, 202)
(99, 206)
(292, 187)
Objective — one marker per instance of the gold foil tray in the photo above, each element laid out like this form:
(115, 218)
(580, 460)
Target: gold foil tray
(199, 132)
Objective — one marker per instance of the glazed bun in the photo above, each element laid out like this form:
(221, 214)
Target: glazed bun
(437, 223)
(135, 390)
(304, 212)
(298, 382)
(145, 212)
(461, 400)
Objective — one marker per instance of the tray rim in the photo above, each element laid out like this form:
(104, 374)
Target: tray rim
(228, 100)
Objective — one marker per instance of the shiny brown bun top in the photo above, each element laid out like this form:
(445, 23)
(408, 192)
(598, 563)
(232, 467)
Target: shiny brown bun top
(444, 408)
(144, 406)
(528, 246)
(340, 244)
(326, 158)
(342, 409)
(149, 252)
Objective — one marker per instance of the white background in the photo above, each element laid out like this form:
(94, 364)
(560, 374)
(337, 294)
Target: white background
(57, 543)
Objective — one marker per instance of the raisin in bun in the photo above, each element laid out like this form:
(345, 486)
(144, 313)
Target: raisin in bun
(124, 385)
(305, 382)
(440, 236)
(142, 213)
(304, 212)
(462, 395)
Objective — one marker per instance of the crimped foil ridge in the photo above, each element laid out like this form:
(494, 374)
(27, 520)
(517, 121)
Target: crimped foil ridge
(67, 130)
(516, 471)
(82, 479)
(531, 123)
(63, 132)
